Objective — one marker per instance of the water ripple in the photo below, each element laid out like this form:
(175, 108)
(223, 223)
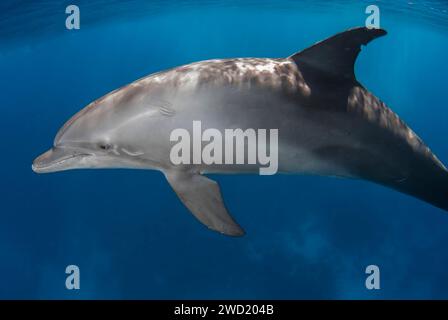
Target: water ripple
(22, 19)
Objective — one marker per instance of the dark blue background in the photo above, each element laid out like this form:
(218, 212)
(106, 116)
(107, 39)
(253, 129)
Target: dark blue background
(307, 237)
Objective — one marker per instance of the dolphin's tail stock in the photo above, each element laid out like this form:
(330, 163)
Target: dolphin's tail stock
(440, 191)
(427, 181)
(414, 169)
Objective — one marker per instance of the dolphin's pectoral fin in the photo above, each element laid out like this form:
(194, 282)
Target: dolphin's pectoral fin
(336, 55)
(202, 196)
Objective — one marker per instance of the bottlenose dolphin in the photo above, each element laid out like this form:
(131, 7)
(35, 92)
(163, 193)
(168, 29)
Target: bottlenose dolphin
(328, 124)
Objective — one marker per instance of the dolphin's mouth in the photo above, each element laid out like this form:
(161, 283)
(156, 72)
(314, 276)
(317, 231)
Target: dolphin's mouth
(57, 159)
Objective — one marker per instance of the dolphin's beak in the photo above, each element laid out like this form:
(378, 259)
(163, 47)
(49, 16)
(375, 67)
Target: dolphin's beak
(57, 159)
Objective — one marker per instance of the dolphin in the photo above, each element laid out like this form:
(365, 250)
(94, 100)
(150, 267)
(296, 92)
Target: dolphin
(328, 124)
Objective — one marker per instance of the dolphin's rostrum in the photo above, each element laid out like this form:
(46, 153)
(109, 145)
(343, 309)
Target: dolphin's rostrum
(328, 124)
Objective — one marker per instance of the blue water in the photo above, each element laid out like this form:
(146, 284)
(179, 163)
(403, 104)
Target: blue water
(307, 237)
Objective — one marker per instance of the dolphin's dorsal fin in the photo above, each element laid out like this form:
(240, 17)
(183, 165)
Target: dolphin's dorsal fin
(202, 196)
(337, 54)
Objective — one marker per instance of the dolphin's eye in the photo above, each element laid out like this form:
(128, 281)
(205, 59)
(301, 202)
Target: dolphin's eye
(105, 146)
